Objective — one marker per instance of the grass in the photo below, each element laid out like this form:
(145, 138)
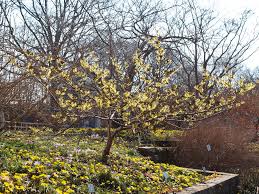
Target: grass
(39, 163)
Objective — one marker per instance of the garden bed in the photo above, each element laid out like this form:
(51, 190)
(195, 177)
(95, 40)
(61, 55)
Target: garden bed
(43, 163)
(40, 163)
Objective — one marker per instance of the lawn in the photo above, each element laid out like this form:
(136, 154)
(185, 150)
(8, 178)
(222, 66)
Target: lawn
(42, 163)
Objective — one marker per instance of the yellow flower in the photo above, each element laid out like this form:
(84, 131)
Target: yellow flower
(69, 190)
(63, 182)
(20, 188)
(42, 184)
(9, 187)
(59, 191)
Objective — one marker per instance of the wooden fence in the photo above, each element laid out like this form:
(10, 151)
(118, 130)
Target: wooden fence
(22, 125)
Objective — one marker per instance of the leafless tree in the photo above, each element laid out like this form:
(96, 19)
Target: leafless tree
(196, 38)
(200, 40)
(213, 45)
(250, 75)
(60, 30)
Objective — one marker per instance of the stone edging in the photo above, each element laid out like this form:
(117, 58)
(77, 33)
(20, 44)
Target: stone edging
(225, 183)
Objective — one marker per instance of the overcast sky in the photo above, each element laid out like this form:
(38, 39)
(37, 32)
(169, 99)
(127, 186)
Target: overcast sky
(233, 8)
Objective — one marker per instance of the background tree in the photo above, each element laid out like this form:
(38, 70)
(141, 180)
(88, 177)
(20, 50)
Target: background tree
(195, 37)
(207, 42)
(250, 75)
(59, 29)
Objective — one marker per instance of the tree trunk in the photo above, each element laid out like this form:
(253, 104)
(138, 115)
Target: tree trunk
(111, 136)
(107, 148)
(2, 120)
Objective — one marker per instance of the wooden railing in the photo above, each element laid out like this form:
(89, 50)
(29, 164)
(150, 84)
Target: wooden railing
(22, 125)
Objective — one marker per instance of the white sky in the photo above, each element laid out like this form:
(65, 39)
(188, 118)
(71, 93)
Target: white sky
(233, 8)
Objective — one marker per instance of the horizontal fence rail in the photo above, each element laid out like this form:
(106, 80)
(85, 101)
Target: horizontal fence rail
(22, 125)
